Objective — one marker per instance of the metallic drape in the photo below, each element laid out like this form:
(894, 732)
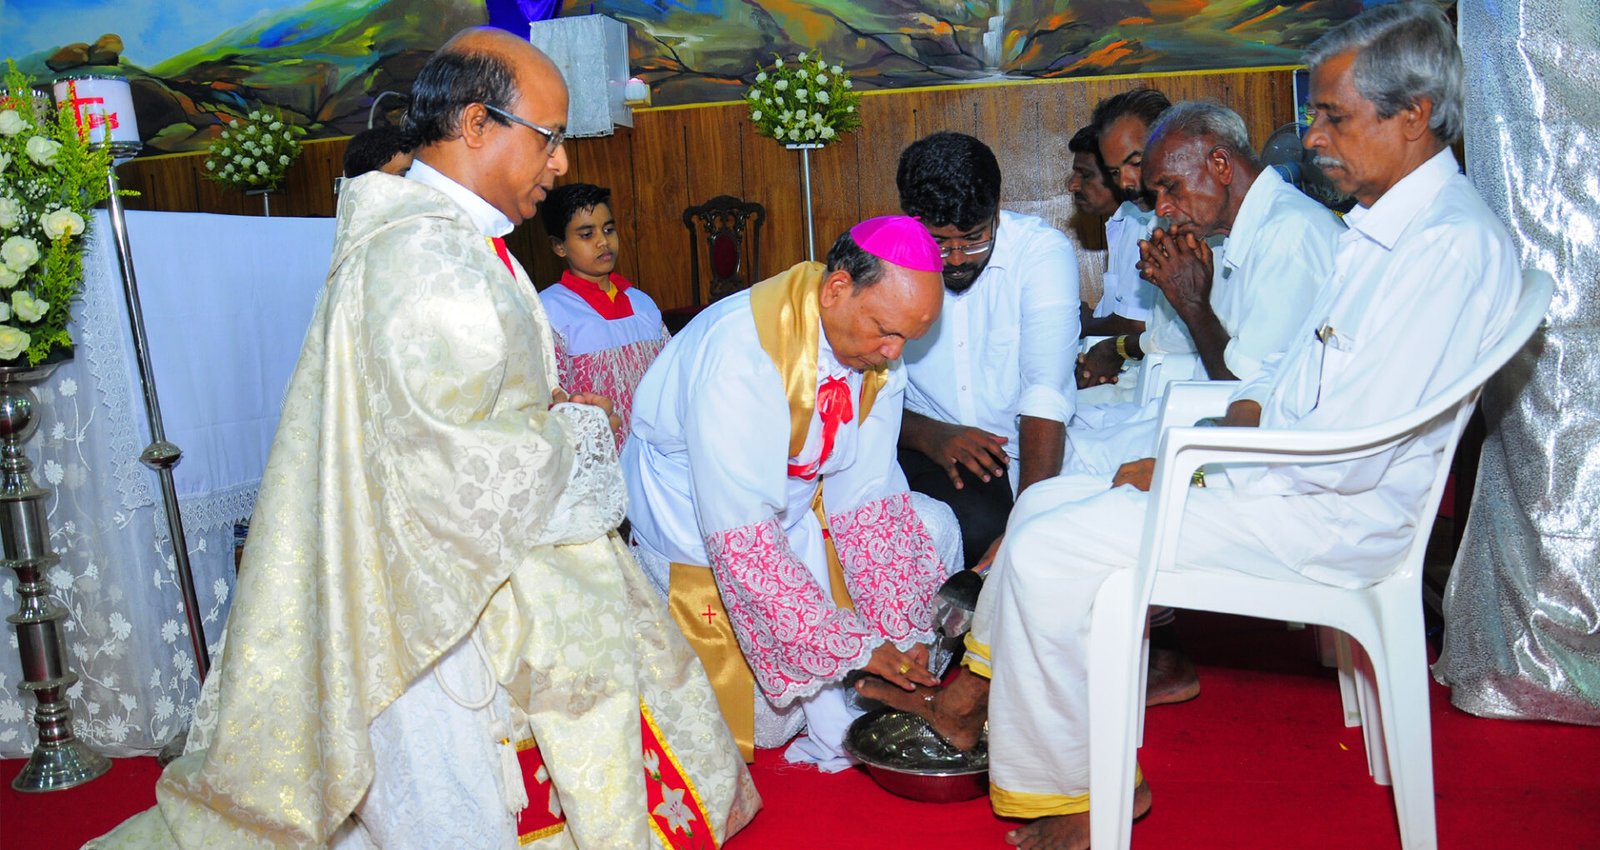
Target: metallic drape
(1522, 611)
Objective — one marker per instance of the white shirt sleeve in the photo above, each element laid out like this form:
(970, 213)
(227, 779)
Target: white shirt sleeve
(1050, 326)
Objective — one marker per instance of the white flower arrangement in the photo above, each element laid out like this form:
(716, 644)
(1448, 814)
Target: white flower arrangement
(254, 152)
(803, 102)
(51, 176)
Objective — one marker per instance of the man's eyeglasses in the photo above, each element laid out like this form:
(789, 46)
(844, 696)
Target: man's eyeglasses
(972, 250)
(552, 138)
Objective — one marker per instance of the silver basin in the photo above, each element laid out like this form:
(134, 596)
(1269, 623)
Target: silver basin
(904, 755)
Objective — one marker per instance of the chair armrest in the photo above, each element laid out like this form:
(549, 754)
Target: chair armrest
(1187, 401)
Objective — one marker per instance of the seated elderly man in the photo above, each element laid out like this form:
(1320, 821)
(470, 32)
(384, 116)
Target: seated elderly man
(1426, 277)
(764, 494)
(1238, 307)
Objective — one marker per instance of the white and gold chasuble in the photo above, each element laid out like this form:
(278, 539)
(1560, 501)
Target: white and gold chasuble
(421, 491)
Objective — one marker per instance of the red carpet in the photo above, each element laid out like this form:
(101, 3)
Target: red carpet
(1260, 760)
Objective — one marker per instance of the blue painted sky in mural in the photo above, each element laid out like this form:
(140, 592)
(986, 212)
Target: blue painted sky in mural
(152, 30)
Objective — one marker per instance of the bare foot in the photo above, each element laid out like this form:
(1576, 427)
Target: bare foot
(956, 711)
(1172, 678)
(1069, 832)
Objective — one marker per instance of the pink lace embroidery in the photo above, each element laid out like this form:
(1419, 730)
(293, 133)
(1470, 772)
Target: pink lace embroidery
(795, 639)
(611, 372)
(890, 567)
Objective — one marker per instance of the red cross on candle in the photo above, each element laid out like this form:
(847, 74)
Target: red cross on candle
(708, 614)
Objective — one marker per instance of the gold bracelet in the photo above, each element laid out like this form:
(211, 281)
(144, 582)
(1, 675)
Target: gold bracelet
(1122, 346)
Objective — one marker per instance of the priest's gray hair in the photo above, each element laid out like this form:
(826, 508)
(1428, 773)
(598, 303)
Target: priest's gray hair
(864, 268)
(1205, 119)
(1407, 51)
(452, 79)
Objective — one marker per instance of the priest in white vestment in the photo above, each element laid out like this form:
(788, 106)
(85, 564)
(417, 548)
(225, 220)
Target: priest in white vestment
(438, 639)
(1236, 308)
(765, 495)
(1425, 281)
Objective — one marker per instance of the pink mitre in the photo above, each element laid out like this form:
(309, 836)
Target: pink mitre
(901, 240)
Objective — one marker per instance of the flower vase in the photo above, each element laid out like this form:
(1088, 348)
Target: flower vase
(266, 200)
(805, 184)
(59, 760)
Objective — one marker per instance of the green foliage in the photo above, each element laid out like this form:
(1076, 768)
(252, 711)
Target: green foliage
(51, 177)
(803, 101)
(254, 152)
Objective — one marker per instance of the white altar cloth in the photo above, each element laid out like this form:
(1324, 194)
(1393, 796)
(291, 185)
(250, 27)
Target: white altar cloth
(226, 301)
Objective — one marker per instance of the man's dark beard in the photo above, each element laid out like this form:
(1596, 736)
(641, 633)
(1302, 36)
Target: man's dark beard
(964, 285)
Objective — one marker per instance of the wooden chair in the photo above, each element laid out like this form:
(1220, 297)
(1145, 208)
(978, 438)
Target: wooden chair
(727, 231)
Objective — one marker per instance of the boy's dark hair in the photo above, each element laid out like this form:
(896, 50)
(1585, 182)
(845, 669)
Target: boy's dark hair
(1146, 104)
(949, 178)
(369, 149)
(566, 201)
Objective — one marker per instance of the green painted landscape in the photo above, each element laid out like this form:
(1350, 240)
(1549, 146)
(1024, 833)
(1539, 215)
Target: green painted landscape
(321, 63)
(708, 50)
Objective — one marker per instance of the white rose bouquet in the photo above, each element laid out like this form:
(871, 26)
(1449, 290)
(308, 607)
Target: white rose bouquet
(50, 178)
(804, 101)
(254, 152)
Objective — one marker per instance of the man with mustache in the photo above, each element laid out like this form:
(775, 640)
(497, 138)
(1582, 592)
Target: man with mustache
(1125, 299)
(990, 387)
(1424, 281)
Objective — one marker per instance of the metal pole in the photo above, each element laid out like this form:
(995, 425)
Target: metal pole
(805, 180)
(160, 455)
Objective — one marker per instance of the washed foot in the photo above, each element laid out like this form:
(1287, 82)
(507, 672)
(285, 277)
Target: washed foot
(1069, 832)
(1172, 678)
(956, 711)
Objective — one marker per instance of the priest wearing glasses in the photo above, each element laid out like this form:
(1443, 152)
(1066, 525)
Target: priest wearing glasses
(990, 387)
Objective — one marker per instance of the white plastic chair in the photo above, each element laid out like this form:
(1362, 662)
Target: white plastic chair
(1385, 618)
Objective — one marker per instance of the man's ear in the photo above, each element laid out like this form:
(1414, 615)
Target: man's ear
(835, 288)
(1414, 119)
(475, 122)
(1221, 165)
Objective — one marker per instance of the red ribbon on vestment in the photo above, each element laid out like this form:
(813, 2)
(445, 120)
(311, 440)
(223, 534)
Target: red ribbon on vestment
(608, 306)
(834, 408)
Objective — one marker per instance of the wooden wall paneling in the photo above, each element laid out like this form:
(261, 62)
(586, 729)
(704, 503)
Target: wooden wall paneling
(835, 191)
(660, 174)
(888, 124)
(772, 178)
(163, 183)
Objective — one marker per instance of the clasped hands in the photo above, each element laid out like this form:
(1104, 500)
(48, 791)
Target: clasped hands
(559, 396)
(1180, 265)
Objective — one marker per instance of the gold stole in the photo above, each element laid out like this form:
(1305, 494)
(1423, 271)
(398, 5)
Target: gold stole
(788, 324)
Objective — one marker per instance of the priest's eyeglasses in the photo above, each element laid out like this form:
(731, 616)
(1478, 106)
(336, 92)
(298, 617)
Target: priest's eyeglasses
(553, 139)
(974, 249)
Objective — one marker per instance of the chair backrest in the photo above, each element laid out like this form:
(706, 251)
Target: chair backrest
(1456, 400)
(729, 229)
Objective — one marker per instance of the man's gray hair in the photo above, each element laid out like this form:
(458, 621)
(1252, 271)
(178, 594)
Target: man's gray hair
(1407, 51)
(1212, 120)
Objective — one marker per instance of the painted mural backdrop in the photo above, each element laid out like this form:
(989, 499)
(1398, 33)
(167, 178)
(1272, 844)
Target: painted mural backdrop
(196, 64)
(706, 50)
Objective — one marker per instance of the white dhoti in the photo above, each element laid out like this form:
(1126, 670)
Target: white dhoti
(1064, 537)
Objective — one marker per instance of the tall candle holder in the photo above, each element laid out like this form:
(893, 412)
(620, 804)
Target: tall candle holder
(59, 760)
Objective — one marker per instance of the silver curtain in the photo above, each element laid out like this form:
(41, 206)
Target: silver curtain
(1522, 610)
